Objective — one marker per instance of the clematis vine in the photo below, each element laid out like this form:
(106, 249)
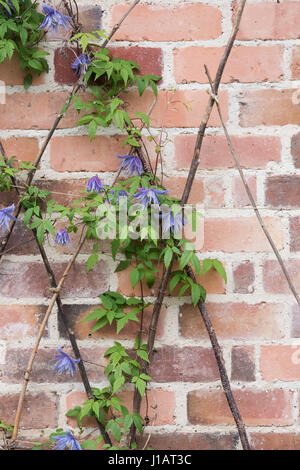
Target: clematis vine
(53, 19)
(65, 363)
(66, 442)
(6, 215)
(131, 164)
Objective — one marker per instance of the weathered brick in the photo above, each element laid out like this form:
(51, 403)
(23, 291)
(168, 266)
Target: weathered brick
(275, 441)
(172, 104)
(245, 64)
(295, 149)
(162, 23)
(294, 233)
(214, 191)
(234, 321)
(295, 67)
(269, 108)
(23, 148)
(33, 412)
(258, 407)
(43, 367)
(252, 151)
(269, 21)
(76, 313)
(240, 234)
(188, 364)
(295, 326)
(280, 362)
(176, 185)
(274, 280)
(160, 408)
(244, 277)
(239, 193)
(21, 242)
(243, 363)
(190, 441)
(20, 321)
(283, 191)
(23, 280)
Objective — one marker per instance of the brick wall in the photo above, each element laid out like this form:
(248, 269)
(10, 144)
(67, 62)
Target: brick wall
(254, 315)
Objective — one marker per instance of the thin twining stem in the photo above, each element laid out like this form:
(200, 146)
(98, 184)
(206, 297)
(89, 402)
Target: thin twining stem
(249, 193)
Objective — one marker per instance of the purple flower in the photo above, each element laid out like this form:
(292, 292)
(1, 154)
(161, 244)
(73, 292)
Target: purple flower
(53, 18)
(6, 215)
(10, 6)
(169, 222)
(65, 363)
(81, 63)
(120, 193)
(148, 196)
(62, 238)
(66, 442)
(94, 185)
(132, 165)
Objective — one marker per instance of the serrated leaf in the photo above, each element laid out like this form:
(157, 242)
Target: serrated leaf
(92, 260)
(220, 268)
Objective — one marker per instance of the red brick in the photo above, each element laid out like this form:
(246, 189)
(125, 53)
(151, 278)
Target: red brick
(173, 105)
(275, 441)
(12, 74)
(176, 185)
(149, 59)
(295, 233)
(274, 280)
(239, 193)
(295, 67)
(37, 111)
(33, 412)
(64, 191)
(23, 148)
(234, 321)
(43, 367)
(257, 407)
(20, 321)
(189, 22)
(269, 108)
(283, 191)
(252, 151)
(76, 313)
(188, 364)
(243, 363)
(240, 234)
(78, 153)
(270, 21)
(189, 441)
(244, 277)
(245, 64)
(63, 60)
(295, 149)
(161, 405)
(214, 191)
(22, 242)
(280, 363)
(23, 280)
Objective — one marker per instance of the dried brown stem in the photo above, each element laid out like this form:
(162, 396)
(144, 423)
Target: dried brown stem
(185, 196)
(39, 337)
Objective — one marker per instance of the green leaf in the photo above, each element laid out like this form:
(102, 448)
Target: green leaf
(138, 421)
(185, 258)
(150, 279)
(220, 268)
(196, 263)
(92, 129)
(141, 386)
(168, 256)
(196, 294)
(134, 277)
(207, 265)
(128, 420)
(143, 355)
(40, 234)
(92, 260)
(122, 265)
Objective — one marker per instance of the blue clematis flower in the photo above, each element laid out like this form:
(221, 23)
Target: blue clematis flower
(94, 185)
(62, 238)
(171, 222)
(81, 63)
(148, 196)
(53, 19)
(132, 165)
(65, 363)
(66, 442)
(6, 215)
(120, 193)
